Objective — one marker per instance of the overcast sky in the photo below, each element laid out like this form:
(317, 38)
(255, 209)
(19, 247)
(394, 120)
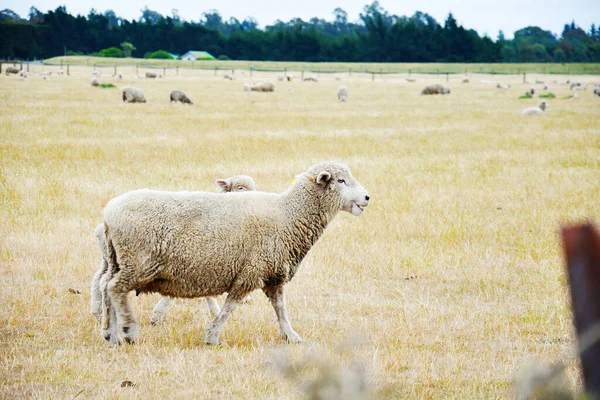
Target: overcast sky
(485, 16)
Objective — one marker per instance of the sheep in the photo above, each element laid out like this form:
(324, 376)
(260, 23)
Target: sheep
(411, 80)
(236, 183)
(530, 92)
(342, 93)
(23, 78)
(133, 95)
(574, 85)
(465, 80)
(539, 110)
(547, 87)
(290, 78)
(151, 75)
(596, 90)
(580, 87)
(198, 244)
(97, 74)
(46, 78)
(95, 82)
(337, 77)
(248, 86)
(263, 87)
(280, 78)
(435, 89)
(230, 77)
(119, 77)
(311, 78)
(177, 95)
(501, 85)
(12, 70)
(540, 82)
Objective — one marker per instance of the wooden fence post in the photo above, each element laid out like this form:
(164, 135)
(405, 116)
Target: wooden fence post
(177, 70)
(164, 72)
(115, 70)
(302, 75)
(68, 72)
(215, 71)
(447, 77)
(372, 76)
(524, 77)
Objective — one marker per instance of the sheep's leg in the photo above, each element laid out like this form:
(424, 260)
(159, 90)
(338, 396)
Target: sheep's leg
(214, 329)
(96, 292)
(277, 298)
(160, 309)
(118, 293)
(213, 306)
(108, 328)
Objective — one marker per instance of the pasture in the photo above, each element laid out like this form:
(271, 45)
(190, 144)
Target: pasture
(447, 283)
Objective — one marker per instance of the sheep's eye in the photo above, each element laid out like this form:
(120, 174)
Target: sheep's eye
(241, 189)
(341, 181)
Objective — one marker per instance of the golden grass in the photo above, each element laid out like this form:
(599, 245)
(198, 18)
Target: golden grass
(451, 278)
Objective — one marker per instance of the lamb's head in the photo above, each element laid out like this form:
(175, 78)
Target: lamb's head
(339, 186)
(543, 105)
(236, 183)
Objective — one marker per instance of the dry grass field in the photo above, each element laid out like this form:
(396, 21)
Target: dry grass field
(447, 283)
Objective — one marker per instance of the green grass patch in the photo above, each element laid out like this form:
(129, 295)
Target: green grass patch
(107, 85)
(547, 96)
(526, 96)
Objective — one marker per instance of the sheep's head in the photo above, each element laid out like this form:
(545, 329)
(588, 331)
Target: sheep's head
(340, 185)
(236, 183)
(543, 105)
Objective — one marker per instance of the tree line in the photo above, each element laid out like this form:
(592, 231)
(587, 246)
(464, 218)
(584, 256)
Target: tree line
(377, 36)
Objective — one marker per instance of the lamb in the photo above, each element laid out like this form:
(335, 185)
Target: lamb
(263, 87)
(530, 92)
(198, 244)
(12, 70)
(236, 183)
(342, 93)
(133, 95)
(501, 85)
(151, 75)
(95, 82)
(177, 95)
(547, 87)
(539, 110)
(435, 89)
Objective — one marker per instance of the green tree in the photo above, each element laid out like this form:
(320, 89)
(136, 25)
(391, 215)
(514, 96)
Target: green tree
(539, 52)
(160, 54)
(525, 52)
(127, 48)
(114, 52)
(560, 56)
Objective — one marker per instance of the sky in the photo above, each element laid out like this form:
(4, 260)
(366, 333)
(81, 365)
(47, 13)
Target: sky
(485, 16)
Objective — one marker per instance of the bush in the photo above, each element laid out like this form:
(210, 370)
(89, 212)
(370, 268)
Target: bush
(160, 55)
(223, 57)
(526, 96)
(547, 96)
(107, 85)
(114, 52)
(74, 53)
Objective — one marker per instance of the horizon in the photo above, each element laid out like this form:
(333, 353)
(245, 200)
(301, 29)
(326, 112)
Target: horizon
(471, 15)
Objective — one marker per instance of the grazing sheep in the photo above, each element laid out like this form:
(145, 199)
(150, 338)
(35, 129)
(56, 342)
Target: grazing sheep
(236, 183)
(539, 110)
(280, 78)
(596, 90)
(435, 89)
(465, 80)
(311, 79)
(411, 80)
(263, 87)
(198, 244)
(574, 85)
(133, 95)
(580, 87)
(547, 87)
(230, 77)
(540, 82)
(248, 86)
(12, 70)
(96, 73)
(501, 85)
(290, 78)
(177, 95)
(151, 75)
(337, 77)
(342, 93)
(95, 82)
(23, 78)
(530, 92)
(119, 77)
(46, 78)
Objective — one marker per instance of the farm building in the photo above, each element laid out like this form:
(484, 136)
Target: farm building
(195, 55)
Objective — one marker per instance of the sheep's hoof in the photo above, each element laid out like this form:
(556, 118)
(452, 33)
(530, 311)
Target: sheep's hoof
(130, 334)
(291, 337)
(111, 339)
(211, 339)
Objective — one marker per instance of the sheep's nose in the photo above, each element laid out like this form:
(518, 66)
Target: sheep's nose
(367, 197)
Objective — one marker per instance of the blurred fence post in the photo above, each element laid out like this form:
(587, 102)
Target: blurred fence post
(372, 76)
(302, 75)
(68, 72)
(0, 67)
(215, 71)
(177, 70)
(115, 70)
(137, 70)
(164, 72)
(524, 77)
(349, 71)
(447, 77)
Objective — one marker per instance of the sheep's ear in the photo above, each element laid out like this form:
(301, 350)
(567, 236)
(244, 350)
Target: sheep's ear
(224, 184)
(323, 178)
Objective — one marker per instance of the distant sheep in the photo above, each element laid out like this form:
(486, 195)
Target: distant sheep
(230, 77)
(574, 85)
(465, 80)
(539, 110)
(248, 86)
(133, 95)
(151, 75)
(530, 92)
(46, 78)
(263, 87)
(540, 82)
(96, 73)
(177, 95)
(290, 78)
(342, 93)
(311, 79)
(501, 85)
(119, 77)
(95, 82)
(597, 90)
(337, 77)
(12, 70)
(580, 87)
(547, 87)
(411, 80)
(280, 78)
(435, 89)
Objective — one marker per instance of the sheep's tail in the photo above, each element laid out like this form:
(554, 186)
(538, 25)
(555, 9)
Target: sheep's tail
(111, 254)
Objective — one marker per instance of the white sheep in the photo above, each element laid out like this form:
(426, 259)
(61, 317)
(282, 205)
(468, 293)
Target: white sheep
(280, 78)
(337, 77)
(596, 90)
(95, 82)
(198, 244)
(248, 86)
(133, 95)
(96, 74)
(435, 89)
(263, 87)
(465, 80)
(151, 75)
(231, 77)
(119, 77)
(411, 80)
(501, 85)
(530, 92)
(342, 93)
(311, 78)
(236, 183)
(12, 70)
(580, 87)
(539, 110)
(547, 87)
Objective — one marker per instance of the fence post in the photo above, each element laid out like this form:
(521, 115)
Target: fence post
(524, 74)
(137, 70)
(447, 77)
(68, 73)
(285, 72)
(232, 72)
(164, 72)
(115, 70)
(28, 66)
(177, 70)
(349, 71)
(215, 71)
(61, 61)
(372, 76)
(302, 75)
(0, 67)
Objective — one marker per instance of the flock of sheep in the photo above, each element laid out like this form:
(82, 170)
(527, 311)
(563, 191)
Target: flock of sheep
(201, 244)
